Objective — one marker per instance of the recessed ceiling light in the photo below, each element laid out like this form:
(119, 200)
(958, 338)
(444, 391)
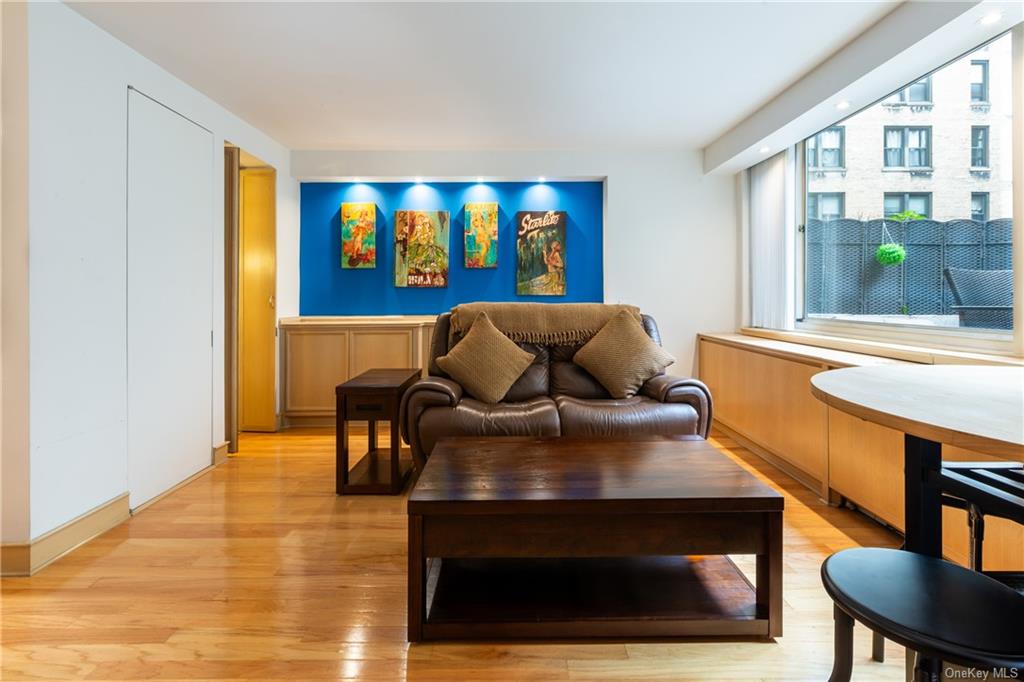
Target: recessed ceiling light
(356, 180)
(843, 104)
(419, 181)
(765, 149)
(541, 179)
(479, 181)
(990, 18)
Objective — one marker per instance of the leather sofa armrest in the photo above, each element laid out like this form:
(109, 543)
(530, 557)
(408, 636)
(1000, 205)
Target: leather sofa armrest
(426, 392)
(666, 388)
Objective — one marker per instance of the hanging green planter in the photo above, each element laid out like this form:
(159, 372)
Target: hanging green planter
(890, 254)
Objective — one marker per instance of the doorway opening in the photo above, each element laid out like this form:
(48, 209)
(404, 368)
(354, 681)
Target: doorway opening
(250, 294)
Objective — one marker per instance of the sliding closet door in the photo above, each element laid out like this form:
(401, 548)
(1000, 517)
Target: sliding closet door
(170, 298)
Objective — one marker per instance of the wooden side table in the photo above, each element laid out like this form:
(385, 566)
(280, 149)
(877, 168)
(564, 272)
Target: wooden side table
(372, 396)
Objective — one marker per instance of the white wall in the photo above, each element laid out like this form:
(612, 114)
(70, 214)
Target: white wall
(78, 80)
(670, 232)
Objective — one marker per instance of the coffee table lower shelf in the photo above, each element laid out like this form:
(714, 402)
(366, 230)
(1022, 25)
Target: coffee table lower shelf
(649, 596)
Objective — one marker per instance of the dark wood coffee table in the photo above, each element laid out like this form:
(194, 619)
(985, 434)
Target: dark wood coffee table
(567, 538)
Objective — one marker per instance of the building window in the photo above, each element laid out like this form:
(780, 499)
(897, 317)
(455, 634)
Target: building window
(979, 206)
(825, 150)
(979, 146)
(908, 147)
(899, 203)
(979, 80)
(941, 167)
(826, 205)
(919, 92)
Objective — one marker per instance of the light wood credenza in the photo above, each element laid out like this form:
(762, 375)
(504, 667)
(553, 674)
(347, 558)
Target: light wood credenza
(318, 353)
(762, 399)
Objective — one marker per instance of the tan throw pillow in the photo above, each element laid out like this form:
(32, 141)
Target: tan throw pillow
(485, 361)
(622, 357)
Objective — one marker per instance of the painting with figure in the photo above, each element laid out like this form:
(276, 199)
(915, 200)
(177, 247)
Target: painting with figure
(358, 235)
(421, 248)
(540, 252)
(481, 235)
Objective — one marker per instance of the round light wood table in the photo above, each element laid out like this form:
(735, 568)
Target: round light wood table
(979, 408)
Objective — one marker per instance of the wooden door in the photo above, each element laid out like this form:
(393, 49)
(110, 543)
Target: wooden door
(257, 278)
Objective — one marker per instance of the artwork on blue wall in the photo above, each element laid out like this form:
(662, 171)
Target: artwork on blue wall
(358, 235)
(481, 234)
(421, 248)
(326, 288)
(540, 253)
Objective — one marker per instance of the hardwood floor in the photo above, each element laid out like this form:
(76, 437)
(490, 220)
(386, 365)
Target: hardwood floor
(257, 571)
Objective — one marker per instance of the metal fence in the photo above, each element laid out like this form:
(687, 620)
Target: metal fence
(843, 277)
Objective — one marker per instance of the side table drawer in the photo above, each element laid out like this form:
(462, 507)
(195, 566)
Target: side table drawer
(368, 407)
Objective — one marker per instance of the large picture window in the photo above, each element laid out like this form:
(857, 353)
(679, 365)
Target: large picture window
(936, 183)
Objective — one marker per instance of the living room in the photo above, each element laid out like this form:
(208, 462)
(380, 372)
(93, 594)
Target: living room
(678, 347)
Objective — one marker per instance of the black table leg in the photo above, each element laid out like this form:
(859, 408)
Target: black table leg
(922, 496)
(923, 513)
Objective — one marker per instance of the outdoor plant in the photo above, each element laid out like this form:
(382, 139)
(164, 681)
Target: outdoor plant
(890, 252)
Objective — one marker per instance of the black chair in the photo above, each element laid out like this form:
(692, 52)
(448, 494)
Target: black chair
(986, 489)
(940, 610)
(984, 298)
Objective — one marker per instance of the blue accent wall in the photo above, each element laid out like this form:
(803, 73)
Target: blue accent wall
(326, 289)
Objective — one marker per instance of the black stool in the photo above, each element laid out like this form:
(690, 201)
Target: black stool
(981, 489)
(942, 611)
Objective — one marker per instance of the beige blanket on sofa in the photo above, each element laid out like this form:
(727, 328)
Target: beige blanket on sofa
(546, 323)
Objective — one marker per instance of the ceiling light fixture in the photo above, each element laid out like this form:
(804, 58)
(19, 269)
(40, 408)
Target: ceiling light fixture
(356, 180)
(541, 179)
(765, 149)
(843, 104)
(990, 18)
(419, 181)
(479, 181)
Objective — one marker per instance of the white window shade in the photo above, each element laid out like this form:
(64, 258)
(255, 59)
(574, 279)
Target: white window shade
(772, 223)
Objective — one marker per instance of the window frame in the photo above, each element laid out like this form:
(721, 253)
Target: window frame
(958, 339)
(983, 63)
(905, 148)
(905, 202)
(819, 149)
(817, 199)
(985, 196)
(903, 94)
(986, 147)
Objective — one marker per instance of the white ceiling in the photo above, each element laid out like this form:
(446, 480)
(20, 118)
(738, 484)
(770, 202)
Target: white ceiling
(488, 75)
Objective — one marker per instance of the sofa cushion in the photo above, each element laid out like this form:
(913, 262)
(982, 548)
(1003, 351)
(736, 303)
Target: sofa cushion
(622, 356)
(534, 381)
(486, 362)
(534, 417)
(633, 416)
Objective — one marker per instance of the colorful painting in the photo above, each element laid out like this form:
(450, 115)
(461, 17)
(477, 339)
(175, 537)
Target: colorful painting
(540, 248)
(481, 235)
(421, 248)
(358, 236)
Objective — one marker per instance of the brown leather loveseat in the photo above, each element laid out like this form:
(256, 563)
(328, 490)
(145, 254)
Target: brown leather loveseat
(553, 397)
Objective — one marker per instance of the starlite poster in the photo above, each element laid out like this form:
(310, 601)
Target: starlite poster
(481, 235)
(358, 235)
(540, 253)
(421, 248)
